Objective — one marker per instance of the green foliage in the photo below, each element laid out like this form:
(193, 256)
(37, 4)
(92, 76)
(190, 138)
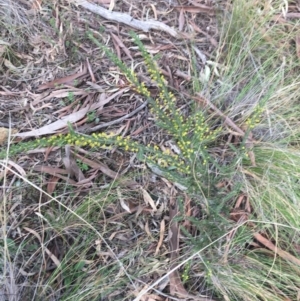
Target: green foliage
(186, 272)
(82, 165)
(91, 116)
(191, 132)
(71, 97)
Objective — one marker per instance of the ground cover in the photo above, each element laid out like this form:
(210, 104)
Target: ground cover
(149, 160)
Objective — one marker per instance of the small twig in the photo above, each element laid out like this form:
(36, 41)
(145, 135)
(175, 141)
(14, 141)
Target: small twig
(103, 125)
(278, 251)
(67, 79)
(205, 101)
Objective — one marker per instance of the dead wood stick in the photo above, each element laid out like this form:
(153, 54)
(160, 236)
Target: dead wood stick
(126, 19)
(103, 125)
(64, 80)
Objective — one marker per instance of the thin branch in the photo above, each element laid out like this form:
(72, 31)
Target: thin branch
(126, 19)
(103, 125)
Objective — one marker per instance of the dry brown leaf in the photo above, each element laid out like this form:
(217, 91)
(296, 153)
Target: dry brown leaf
(50, 254)
(23, 273)
(68, 180)
(147, 229)
(53, 127)
(96, 87)
(11, 164)
(90, 71)
(157, 48)
(146, 296)
(139, 130)
(283, 254)
(100, 102)
(2, 50)
(154, 11)
(53, 181)
(117, 49)
(239, 201)
(161, 236)
(11, 67)
(196, 9)
(176, 286)
(72, 118)
(201, 5)
(9, 93)
(46, 105)
(103, 2)
(98, 165)
(122, 201)
(66, 109)
(61, 94)
(293, 15)
(124, 205)
(64, 80)
(36, 5)
(150, 297)
(17, 167)
(71, 165)
(279, 19)
(148, 200)
(55, 172)
(121, 44)
(104, 168)
(183, 75)
(103, 99)
(212, 40)
(188, 212)
(297, 39)
(88, 181)
(181, 20)
(249, 145)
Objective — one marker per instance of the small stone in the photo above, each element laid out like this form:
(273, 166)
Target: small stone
(4, 133)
